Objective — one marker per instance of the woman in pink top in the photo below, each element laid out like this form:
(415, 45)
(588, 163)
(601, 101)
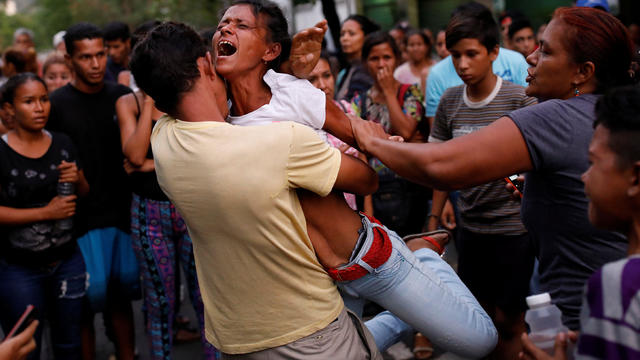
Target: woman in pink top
(416, 70)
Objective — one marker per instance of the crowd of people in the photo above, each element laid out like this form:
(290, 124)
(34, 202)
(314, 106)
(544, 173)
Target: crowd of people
(292, 185)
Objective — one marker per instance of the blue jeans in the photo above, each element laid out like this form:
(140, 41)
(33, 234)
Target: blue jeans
(423, 293)
(55, 291)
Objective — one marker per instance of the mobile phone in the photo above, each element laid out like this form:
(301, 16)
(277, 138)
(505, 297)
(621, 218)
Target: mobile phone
(28, 316)
(513, 180)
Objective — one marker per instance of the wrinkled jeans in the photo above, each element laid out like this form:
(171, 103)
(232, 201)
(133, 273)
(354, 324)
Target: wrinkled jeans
(422, 292)
(56, 292)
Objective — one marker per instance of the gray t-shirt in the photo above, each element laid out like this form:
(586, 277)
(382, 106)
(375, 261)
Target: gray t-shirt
(555, 208)
(487, 208)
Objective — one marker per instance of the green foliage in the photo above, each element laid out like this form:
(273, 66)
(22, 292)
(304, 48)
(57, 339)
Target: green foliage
(50, 16)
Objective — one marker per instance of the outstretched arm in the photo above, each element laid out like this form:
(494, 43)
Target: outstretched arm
(491, 153)
(305, 51)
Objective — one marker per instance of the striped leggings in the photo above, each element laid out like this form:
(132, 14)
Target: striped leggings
(160, 241)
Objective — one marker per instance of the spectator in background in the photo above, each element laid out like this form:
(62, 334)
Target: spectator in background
(40, 262)
(495, 256)
(85, 110)
(125, 78)
(415, 71)
(17, 61)
(6, 119)
(521, 37)
(596, 4)
(117, 39)
(58, 42)
(23, 39)
(322, 78)
(510, 65)
(56, 71)
(354, 78)
(399, 34)
(540, 32)
(505, 20)
(398, 203)
(441, 44)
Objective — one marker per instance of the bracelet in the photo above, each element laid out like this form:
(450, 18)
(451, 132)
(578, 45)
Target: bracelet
(434, 215)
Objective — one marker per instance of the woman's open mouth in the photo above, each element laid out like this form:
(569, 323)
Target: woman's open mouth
(226, 48)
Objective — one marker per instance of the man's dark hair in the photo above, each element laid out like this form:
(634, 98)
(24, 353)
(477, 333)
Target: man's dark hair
(473, 21)
(518, 25)
(116, 30)
(277, 26)
(80, 31)
(142, 30)
(165, 63)
(619, 111)
(377, 38)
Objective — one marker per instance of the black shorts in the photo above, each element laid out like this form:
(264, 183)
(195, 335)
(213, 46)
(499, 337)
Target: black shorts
(496, 268)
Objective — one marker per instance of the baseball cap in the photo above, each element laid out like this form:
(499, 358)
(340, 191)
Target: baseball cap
(603, 4)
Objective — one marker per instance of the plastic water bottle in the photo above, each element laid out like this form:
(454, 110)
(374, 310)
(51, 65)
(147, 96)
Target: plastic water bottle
(65, 189)
(545, 322)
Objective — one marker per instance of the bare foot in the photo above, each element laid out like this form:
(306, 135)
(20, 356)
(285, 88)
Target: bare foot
(418, 241)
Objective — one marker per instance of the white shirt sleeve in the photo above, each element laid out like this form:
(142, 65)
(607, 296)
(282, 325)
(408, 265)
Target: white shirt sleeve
(296, 100)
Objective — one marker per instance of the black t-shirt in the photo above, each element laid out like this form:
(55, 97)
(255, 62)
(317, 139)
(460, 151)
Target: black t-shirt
(91, 123)
(29, 183)
(113, 70)
(145, 184)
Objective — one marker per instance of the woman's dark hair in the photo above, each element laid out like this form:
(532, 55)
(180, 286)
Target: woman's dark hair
(17, 58)
(142, 30)
(475, 22)
(276, 24)
(425, 39)
(165, 63)
(11, 86)
(597, 36)
(367, 25)
(619, 111)
(377, 38)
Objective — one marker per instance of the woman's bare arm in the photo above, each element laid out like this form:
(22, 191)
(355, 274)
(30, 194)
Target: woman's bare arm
(135, 132)
(491, 153)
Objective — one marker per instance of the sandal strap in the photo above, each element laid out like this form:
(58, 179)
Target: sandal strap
(434, 243)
